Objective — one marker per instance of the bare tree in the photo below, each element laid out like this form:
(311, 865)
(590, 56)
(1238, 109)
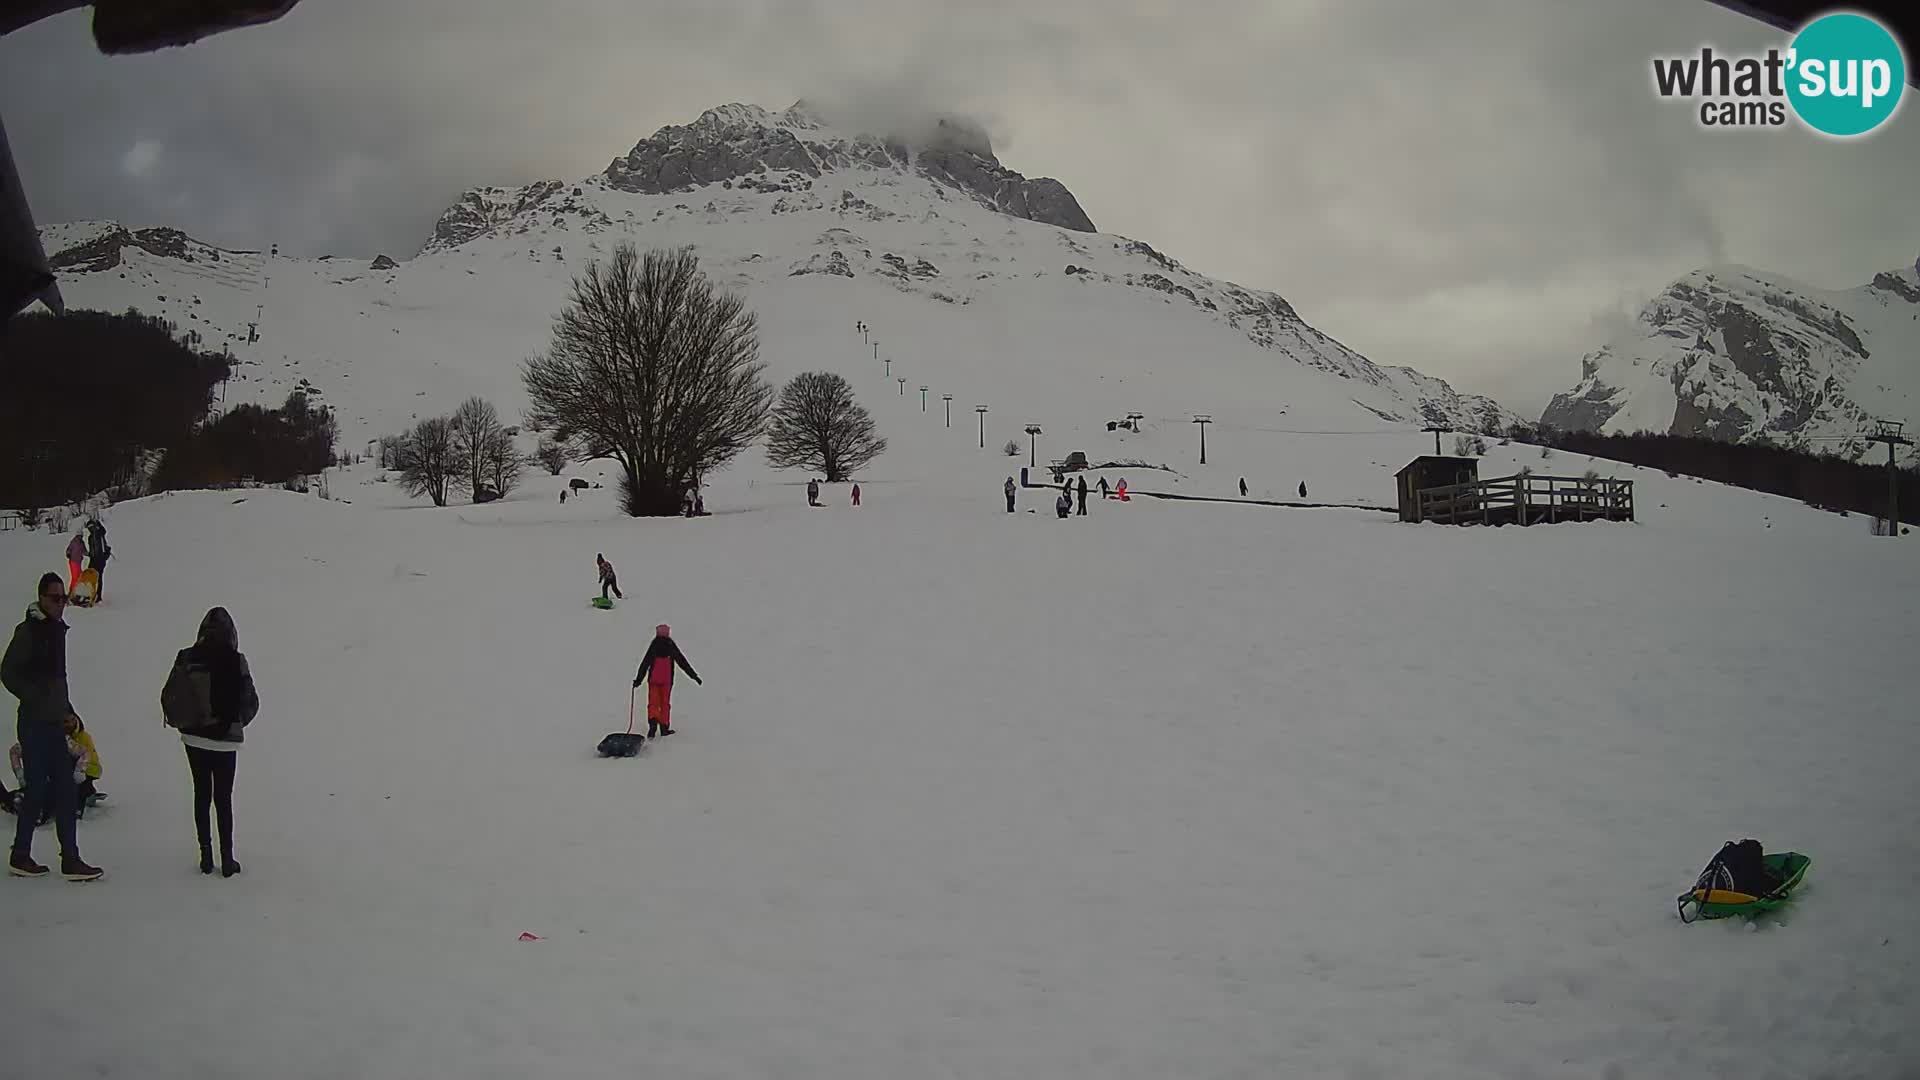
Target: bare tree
(504, 464)
(652, 367)
(552, 456)
(476, 431)
(393, 450)
(818, 426)
(430, 461)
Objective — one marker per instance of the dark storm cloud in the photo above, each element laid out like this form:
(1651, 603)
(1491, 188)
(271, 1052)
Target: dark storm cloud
(1475, 189)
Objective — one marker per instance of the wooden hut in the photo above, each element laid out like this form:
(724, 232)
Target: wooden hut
(1429, 471)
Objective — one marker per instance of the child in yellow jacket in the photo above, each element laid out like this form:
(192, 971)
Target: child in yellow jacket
(86, 766)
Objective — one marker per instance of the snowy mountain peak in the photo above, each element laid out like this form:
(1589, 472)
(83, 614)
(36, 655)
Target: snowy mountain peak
(1731, 352)
(736, 142)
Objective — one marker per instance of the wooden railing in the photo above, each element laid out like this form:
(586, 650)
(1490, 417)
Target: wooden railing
(1528, 499)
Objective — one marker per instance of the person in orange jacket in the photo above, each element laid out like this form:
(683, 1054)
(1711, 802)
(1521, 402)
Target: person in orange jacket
(656, 670)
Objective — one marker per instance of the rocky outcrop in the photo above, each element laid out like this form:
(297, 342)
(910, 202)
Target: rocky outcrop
(740, 145)
(104, 252)
(1735, 355)
(487, 210)
(381, 262)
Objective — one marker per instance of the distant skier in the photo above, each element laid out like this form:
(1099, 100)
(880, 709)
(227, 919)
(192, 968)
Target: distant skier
(1103, 487)
(1009, 490)
(1083, 497)
(1303, 489)
(813, 493)
(1243, 487)
(607, 578)
(656, 670)
(856, 494)
(76, 551)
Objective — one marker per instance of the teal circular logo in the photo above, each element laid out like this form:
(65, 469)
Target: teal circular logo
(1845, 74)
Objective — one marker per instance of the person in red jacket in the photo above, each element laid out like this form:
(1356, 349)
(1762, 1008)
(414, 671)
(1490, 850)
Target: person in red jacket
(656, 670)
(76, 551)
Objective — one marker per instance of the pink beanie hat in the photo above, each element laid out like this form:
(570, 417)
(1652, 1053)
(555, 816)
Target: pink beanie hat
(663, 630)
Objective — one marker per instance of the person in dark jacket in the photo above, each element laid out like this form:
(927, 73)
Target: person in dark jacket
(607, 578)
(98, 552)
(212, 750)
(34, 669)
(656, 670)
(1081, 490)
(1103, 487)
(1009, 489)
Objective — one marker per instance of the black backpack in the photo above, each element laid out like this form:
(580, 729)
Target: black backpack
(1739, 868)
(187, 697)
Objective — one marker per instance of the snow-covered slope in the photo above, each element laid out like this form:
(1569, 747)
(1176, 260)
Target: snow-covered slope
(1176, 789)
(1734, 354)
(977, 281)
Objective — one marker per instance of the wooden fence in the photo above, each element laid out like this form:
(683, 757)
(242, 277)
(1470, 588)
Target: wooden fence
(1528, 499)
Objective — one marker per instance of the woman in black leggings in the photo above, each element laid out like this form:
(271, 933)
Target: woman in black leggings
(232, 703)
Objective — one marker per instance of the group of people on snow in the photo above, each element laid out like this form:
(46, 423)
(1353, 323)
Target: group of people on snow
(90, 544)
(813, 493)
(1064, 505)
(209, 698)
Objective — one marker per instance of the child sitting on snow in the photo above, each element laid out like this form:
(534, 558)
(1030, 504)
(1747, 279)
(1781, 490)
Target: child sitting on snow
(86, 768)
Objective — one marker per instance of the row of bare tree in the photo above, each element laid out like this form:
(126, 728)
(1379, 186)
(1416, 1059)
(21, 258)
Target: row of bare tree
(469, 450)
(652, 367)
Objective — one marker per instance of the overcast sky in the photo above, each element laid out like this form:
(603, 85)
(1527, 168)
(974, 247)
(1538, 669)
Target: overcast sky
(1474, 189)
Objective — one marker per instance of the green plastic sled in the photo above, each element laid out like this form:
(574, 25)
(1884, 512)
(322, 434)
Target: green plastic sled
(1790, 867)
(603, 603)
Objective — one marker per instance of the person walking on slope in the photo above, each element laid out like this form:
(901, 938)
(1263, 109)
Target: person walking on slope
(34, 669)
(210, 698)
(813, 493)
(1082, 490)
(1103, 487)
(856, 494)
(76, 551)
(607, 578)
(1303, 489)
(1009, 490)
(1243, 487)
(656, 670)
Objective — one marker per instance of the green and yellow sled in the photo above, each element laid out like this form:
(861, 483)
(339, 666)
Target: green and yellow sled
(1789, 868)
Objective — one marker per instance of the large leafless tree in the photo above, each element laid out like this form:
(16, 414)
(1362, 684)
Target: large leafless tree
(476, 435)
(818, 426)
(429, 460)
(650, 366)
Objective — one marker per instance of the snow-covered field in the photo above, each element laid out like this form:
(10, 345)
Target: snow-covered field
(1177, 789)
(1180, 789)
